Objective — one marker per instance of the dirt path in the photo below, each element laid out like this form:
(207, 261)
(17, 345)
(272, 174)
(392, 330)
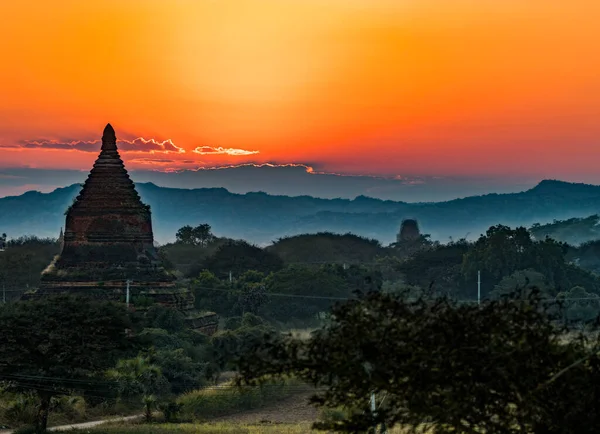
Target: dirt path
(85, 424)
(293, 409)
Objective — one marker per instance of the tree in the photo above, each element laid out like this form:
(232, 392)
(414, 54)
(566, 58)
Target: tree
(182, 373)
(185, 235)
(238, 257)
(438, 269)
(203, 234)
(579, 305)
(212, 294)
(161, 317)
(326, 247)
(524, 280)
(138, 376)
(320, 286)
(503, 251)
(200, 235)
(23, 261)
(59, 344)
(499, 368)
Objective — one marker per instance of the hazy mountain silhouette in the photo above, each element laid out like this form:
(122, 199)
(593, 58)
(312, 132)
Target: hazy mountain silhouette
(261, 218)
(279, 180)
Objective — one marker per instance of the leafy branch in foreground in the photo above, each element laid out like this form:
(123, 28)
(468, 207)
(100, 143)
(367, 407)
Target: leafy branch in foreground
(61, 344)
(455, 368)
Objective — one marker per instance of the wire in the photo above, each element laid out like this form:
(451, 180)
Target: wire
(318, 297)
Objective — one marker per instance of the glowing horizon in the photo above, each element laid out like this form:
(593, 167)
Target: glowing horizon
(370, 87)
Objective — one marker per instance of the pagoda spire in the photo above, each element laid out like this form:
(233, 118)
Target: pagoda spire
(109, 139)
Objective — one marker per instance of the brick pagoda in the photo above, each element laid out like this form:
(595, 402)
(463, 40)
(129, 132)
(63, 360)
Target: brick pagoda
(108, 240)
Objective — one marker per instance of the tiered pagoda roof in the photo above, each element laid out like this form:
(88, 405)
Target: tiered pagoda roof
(108, 245)
(108, 232)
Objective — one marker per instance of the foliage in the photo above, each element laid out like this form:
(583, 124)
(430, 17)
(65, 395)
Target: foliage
(200, 235)
(573, 231)
(138, 376)
(405, 248)
(213, 294)
(237, 257)
(228, 345)
(27, 429)
(180, 370)
(182, 358)
(314, 290)
(586, 256)
(579, 305)
(168, 319)
(524, 280)
(503, 251)
(59, 344)
(182, 257)
(150, 403)
(228, 399)
(170, 410)
(251, 293)
(499, 368)
(326, 247)
(438, 269)
(23, 261)
(19, 409)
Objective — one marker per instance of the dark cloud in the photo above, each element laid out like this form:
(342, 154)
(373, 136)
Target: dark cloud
(150, 145)
(138, 144)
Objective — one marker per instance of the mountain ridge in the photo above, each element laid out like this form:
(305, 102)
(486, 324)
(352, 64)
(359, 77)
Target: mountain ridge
(261, 217)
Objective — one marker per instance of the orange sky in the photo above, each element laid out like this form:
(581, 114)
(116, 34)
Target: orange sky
(398, 87)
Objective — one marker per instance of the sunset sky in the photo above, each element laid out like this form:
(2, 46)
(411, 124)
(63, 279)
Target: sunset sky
(398, 88)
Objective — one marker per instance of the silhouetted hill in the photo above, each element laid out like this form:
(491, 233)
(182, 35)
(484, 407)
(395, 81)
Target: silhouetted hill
(262, 218)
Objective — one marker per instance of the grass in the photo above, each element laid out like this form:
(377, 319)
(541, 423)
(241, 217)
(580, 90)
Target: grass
(18, 410)
(226, 399)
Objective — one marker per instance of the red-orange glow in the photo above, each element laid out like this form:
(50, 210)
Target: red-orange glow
(430, 87)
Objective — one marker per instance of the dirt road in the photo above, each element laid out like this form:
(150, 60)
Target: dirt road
(85, 424)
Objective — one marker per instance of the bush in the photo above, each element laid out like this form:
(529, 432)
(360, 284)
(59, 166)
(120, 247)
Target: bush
(170, 410)
(27, 429)
(22, 409)
(333, 415)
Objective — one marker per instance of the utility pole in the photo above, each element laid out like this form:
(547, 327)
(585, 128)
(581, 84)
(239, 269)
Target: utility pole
(230, 277)
(478, 288)
(373, 407)
(3, 293)
(127, 294)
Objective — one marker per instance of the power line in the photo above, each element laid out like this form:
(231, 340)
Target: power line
(318, 297)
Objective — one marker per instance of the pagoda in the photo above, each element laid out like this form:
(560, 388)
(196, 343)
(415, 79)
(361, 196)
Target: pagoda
(108, 245)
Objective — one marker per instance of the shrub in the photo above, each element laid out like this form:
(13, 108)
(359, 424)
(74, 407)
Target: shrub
(27, 429)
(170, 410)
(22, 409)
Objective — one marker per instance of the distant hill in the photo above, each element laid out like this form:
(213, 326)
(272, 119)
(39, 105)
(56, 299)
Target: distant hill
(574, 231)
(262, 218)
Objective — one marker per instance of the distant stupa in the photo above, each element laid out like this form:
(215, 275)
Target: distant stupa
(409, 231)
(108, 243)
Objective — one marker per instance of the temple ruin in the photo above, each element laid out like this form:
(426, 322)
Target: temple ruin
(108, 245)
(409, 231)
